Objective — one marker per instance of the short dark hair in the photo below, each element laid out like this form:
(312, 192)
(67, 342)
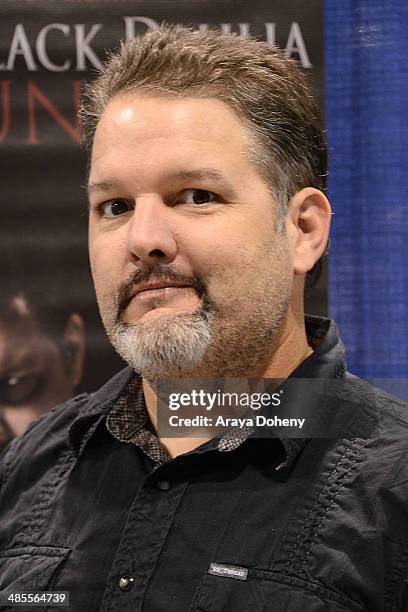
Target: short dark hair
(268, 91)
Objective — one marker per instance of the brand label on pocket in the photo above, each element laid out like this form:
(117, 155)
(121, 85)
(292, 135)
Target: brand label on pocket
(228, 571)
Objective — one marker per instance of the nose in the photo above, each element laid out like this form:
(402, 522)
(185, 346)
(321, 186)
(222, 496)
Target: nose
(150, 237)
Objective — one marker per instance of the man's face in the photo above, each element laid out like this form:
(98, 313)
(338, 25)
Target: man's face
(33, 374)
(191, 275)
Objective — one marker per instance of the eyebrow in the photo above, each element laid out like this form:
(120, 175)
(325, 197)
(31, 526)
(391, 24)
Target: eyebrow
(100, 186)
(201, 174)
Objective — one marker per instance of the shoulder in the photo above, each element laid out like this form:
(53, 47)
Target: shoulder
(383, 455)
(368, 428)
(35, 468)
(390, 412)
(46, 439)
(45, 435)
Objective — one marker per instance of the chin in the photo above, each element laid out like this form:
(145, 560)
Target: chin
(167, 347)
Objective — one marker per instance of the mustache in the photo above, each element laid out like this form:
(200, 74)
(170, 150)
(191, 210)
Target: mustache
(159, 273)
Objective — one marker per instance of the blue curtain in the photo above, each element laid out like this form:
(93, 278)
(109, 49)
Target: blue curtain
(367, 121)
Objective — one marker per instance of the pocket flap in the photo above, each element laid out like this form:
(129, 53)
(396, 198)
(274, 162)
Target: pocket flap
(29, 567)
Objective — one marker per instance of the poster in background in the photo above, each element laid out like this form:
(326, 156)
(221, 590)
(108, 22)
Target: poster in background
(47, 50)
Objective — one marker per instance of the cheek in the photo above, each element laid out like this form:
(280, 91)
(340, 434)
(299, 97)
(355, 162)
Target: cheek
(97, 255)
(212, 246)
(105, 264)
(104, 246)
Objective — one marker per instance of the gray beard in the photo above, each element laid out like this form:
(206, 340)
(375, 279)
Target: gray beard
(168, 347)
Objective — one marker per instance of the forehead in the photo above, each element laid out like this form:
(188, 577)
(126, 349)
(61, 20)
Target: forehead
(170, 130)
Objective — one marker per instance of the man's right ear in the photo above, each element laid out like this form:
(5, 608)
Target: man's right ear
(73, 346)
(308, 224)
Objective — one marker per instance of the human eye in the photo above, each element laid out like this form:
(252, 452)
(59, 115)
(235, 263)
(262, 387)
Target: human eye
(114, 208)
(197, 197)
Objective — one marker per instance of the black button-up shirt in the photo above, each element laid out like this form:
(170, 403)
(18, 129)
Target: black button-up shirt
(268, 525)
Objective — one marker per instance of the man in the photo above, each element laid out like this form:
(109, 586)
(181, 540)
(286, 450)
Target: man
(206, 214)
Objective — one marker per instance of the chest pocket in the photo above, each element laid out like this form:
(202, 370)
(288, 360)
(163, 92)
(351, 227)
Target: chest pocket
(30, 568)
(266, 591)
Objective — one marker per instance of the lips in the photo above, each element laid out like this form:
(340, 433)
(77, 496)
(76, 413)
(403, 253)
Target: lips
(158, 285)
(145, 286)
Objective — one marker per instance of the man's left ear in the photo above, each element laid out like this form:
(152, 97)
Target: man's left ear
(307, 225)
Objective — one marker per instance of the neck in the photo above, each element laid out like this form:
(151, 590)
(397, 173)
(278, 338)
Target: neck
(174, 446)
(291, 350)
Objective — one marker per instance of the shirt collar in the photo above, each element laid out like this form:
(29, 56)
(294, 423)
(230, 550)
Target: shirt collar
(128, 421)
(327, 361)
(98, 406)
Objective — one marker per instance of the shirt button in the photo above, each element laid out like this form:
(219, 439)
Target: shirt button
(164, 485)
(125, 583)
